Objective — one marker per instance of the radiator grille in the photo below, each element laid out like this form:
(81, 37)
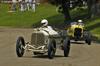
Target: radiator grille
(37, 39)
(78, 32)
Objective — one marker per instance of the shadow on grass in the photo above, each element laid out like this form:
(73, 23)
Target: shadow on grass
(97, 25)
(92, 27)
(83, 17)
(56, 21)
(95, 39)
(59, 21)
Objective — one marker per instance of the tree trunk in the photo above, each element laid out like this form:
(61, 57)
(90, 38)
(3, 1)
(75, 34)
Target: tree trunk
(92, 9)
(65, 7)
(98, 8)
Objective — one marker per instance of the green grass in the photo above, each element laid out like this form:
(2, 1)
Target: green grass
(28, 18)
(94, 26)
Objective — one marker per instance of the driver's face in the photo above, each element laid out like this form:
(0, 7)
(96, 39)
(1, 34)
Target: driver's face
(42, 24)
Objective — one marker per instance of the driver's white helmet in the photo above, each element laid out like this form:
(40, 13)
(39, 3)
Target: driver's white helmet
(44, 22)
(80, 21)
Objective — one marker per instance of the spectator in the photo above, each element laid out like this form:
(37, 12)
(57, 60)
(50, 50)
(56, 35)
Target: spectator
(22, 5)
(13, 8)
(29, 4)
(26, 5)
(19, 3)
(33, 5)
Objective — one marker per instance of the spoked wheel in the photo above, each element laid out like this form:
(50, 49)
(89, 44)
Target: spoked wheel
(66, 47)
(20, 44)
(51, 49)
(88, 41)
(87, 37)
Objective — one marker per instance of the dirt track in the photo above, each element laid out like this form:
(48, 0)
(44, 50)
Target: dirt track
(80, 54)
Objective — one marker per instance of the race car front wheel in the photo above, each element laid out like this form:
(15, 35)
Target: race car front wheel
(20, 44)
(88, 37)
(51, 49)
(66, 47)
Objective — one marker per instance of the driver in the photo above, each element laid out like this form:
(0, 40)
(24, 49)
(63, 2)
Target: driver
(44, 24)
(47, 28)
(80, 22)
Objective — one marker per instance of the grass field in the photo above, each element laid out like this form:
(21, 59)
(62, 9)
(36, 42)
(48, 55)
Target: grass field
(94, 26)
(29, 18)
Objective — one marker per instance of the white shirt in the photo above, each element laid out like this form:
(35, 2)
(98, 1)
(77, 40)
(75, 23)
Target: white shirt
(14, 1)
(19, 0)
(34, 1)
(29, 0)
(26, 0)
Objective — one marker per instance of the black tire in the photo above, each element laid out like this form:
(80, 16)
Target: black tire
(51, 49)
(88, 41)
(87, 37)
(66, 47)
(20, 43)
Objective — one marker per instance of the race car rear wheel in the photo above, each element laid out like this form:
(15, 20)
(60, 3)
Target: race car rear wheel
(20, 44)
(66, 47)
(51, 49)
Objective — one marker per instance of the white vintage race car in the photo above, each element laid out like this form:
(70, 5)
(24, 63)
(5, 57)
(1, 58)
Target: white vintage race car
(43, 41)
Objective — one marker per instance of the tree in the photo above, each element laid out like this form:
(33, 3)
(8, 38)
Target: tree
(93, 7)
(64, 4)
